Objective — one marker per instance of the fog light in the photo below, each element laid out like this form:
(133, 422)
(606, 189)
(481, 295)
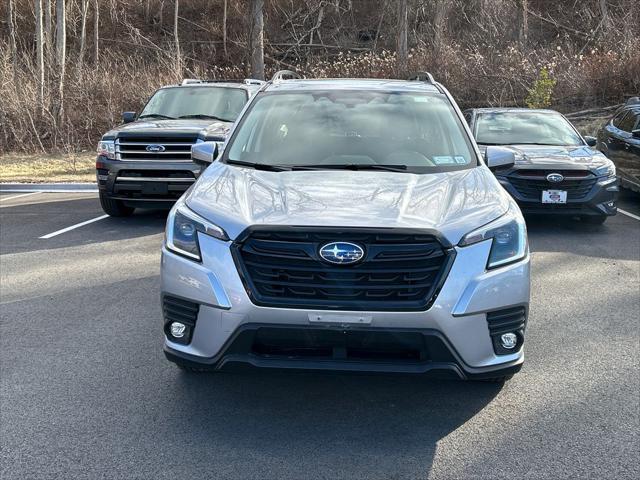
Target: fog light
(507, 340)
(178, 329)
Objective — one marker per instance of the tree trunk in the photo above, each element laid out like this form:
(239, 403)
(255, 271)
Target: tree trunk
(257, 39)
(176, 9)
(40, 53)
(523, 22)
(61, 51)
(12, 43)
(439, 23)
(83, 31)
(224, 29)
(96, 31)
(402, 47)
(48, 30)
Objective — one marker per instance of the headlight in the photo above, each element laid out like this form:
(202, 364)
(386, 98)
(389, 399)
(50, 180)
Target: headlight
(107, 148)
(607, 170)
(509, 234)
(183, 226)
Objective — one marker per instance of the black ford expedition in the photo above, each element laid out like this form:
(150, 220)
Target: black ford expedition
(146, 161)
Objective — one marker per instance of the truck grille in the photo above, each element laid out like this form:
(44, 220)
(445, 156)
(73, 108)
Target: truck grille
(531, 183)
(168, 148)
(400, 271)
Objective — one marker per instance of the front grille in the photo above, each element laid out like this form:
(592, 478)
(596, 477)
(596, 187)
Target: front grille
(505, 321)
(531, 183)
(400, 271)
(134, 148)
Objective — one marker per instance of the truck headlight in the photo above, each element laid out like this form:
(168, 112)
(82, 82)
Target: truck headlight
(107, 148)
(509, 235)
(607, 170)
(183, 226)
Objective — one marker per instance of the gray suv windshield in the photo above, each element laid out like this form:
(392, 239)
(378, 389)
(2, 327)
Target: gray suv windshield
(218, 103)
(413, 132)
(512, 128)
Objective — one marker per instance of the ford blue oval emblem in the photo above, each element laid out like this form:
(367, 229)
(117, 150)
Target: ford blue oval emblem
(555, 177)
(155, 148)
(343, 253)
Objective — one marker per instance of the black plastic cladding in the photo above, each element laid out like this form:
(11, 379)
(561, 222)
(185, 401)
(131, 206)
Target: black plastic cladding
(328, 301)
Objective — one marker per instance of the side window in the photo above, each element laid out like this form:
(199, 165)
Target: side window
(617, 120)
(628, 122)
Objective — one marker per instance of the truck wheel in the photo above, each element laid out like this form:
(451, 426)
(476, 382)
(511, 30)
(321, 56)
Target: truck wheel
(115, 208)
(594, 219)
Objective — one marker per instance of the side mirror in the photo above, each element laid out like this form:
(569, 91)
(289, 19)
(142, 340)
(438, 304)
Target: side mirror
(128, 117)
(636, 133)
(591, 141)
(499, 157)
(204, 154)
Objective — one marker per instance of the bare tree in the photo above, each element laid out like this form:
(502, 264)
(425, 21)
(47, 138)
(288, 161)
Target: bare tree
(96, 31)
(176, 9)
(40, 52)
(48, 29)
(523, 22)
(402, 47)
(61, 51)
(257, 39)
(12, 42)
(439, 23)
(224, 28)
(83, 30)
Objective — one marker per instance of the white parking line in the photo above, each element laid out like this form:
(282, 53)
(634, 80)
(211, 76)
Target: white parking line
(73, 227)
(628, 214)
(4, 199)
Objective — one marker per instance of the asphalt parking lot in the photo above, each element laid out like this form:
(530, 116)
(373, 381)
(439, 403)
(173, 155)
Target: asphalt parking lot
(86, 391)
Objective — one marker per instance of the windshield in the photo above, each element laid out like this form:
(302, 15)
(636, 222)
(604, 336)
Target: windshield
(511, 128)
(414, 132)
(196, 102)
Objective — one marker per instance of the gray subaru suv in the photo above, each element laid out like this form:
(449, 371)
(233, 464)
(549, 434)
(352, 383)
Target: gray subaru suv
(348, 225)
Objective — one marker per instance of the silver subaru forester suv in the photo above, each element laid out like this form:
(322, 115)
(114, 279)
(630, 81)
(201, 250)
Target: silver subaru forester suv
(348, 225)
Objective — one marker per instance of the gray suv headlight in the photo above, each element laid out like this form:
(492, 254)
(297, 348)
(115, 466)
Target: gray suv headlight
(107, 148)
(183, 226)
(509, 235)
(607, 170)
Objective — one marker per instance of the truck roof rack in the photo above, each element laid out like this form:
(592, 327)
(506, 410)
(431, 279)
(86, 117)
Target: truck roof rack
(285, 75)
(190, 81)
(421, 77)
(253, 81)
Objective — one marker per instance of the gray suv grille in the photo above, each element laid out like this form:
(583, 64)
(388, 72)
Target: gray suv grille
(155, 148)
(400, 270)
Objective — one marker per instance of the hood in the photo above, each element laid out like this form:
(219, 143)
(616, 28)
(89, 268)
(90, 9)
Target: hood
(550, 156)
(187, 127)
(452, 203)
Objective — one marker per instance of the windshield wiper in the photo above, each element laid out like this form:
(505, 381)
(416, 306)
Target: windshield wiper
(206, 117)
(259, 166)
(158, 115)
(352, 166)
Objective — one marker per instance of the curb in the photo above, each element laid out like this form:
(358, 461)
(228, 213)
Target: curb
(49, 187)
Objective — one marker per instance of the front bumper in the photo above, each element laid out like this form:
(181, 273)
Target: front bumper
(599, 200)
(454, 330)
(145, 183)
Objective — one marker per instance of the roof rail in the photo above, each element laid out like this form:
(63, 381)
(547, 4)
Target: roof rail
(189, 81)
(253, 81)
(284, 75)
(421, 77)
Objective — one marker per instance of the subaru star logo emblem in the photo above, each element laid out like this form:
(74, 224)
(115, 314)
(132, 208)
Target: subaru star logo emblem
(155, 148)
(555, 177)
(343, 253)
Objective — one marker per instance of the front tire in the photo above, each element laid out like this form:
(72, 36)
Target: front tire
(594, 219)
(114, 208)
